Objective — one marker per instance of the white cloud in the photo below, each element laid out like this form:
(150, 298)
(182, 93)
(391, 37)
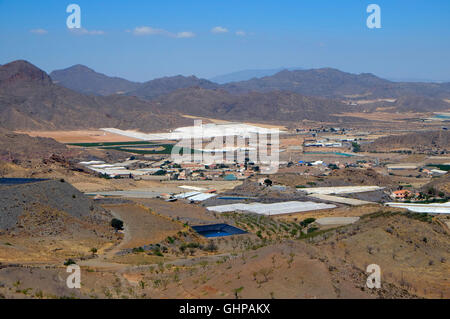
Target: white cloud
(241, 33)
(39, 31)
(149, 31)
(144, 30)
(185, 34)
(219, 29)
(82, 31)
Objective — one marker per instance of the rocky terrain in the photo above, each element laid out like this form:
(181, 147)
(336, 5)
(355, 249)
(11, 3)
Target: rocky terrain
(21, 147)
(29, 100)
(57, 194)
(85, 80)
(323, 82)
(329, 264)
(275, 105)
(333, 83)
(49, 221)
(161, 86)
(418, 142)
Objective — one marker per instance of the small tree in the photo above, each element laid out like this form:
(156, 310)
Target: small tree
(117, 224)
(237, 291)
(267, 182)
(356, 147)
(69, 261)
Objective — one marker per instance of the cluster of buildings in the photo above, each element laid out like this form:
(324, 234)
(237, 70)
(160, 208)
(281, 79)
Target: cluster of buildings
(127, 169)
(322, 143)
(197, 171)
(167, 170)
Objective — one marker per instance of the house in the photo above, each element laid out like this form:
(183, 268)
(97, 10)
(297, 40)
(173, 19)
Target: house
(401, 194)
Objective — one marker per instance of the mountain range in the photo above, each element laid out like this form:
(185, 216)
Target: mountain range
(245, 75)
(324, 82)
(332, 83)
(82, 79)
(31, 99)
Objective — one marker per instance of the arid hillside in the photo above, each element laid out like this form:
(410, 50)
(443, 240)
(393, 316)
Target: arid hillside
(412, 251)
(420, 142)
(267, 106)
(48, 221)
(19, 147)
(333, 83)
(84, 80)
(29, 100)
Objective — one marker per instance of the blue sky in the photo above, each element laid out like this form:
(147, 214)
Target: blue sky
(141, 40)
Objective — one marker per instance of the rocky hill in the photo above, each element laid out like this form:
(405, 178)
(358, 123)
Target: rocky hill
(17, 147)
(276, 105)
(82, 79)
(29, 100)
(332, 83)
(15, 200)
(48, 222)
(426, 141)
(155, 88)
(245, 75)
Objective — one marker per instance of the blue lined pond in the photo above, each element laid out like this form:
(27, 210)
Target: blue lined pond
(218, 230)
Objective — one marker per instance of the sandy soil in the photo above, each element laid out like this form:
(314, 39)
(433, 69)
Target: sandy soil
(82, 136)
(383, 116)
(344, 211)
(142, 226)
(184, 211)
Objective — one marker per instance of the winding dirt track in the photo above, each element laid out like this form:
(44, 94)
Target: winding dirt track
(141, 227)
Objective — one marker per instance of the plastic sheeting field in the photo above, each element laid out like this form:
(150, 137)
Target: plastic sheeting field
(201, 131)
(272, 209)
(340, 189)
(342, 200)
(434, 208)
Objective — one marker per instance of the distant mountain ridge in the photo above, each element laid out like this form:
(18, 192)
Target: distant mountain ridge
(262, 106)
(333, 83)
(29, 100)
(82, 79)
(323, 82)
(157, 87)
(245, 75)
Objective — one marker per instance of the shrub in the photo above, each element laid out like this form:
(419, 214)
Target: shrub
(267, 182)
(307, 221)
(117, 224)
(356, 147)
(211, 246)
(69, 261)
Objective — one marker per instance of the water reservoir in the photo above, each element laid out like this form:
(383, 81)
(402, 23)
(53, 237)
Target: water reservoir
(218, 230)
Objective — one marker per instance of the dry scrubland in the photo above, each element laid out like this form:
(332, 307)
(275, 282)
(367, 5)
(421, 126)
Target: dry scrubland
(49, 221)
(413, 255)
